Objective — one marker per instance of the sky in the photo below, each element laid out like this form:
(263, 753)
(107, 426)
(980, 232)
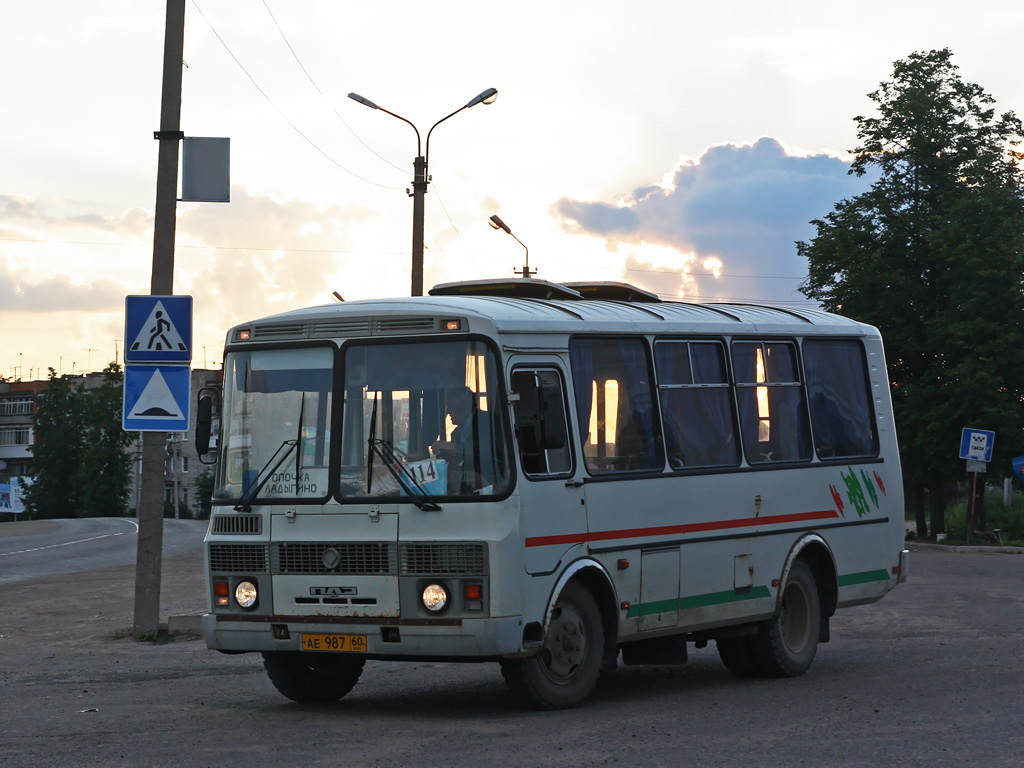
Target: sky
(680, 146)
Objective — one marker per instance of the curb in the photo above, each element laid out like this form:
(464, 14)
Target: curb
(185, 625)
(963, 548)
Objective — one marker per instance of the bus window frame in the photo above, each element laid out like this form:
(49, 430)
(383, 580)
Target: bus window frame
(222, 446)
(584, 419)
(567, 408)
(877, 440)
(801, 384)
(501, 411)
(729, 386)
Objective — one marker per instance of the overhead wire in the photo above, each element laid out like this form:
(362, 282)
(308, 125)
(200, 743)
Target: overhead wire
(279, 110)
(317, 87)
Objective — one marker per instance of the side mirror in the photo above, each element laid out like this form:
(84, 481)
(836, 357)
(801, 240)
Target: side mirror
(208, 398)
(204, 421)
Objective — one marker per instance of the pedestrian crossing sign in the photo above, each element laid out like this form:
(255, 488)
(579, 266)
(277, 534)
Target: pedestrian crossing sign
(157, 329)
(156, 398)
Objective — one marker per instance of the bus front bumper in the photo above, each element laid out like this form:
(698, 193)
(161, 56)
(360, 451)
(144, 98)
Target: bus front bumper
(453, 638)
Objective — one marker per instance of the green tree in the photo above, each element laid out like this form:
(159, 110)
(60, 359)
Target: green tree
(59, 427)
(104, 475)
(80, 457)
(204, 490)
(933, 255)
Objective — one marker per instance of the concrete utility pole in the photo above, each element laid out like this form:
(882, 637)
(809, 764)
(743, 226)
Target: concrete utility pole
(149, 558)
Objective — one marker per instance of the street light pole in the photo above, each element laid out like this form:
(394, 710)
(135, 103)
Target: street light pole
(497, 223)
(421, 178)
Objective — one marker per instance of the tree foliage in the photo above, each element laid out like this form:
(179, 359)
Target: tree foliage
(81, 463)
(933, 255)
(204, 491)
(105, 474)
(59, 427)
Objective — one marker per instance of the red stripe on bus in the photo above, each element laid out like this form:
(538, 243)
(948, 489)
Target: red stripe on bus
(666, 530)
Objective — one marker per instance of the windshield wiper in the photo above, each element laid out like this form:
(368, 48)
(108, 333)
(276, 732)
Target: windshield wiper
(245, 503)
(405, 478)
(369, 443)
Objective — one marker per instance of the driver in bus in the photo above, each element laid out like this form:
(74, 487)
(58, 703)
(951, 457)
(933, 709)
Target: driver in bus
(470, 464)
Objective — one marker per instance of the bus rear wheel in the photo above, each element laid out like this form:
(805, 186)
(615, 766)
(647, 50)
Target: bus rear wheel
(312, 678)
(786, 644)
(567, 667)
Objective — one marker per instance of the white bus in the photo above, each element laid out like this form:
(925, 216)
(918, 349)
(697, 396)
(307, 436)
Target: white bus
(547, 476)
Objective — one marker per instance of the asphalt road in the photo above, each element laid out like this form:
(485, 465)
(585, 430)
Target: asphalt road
(931, 676)
(31, 550)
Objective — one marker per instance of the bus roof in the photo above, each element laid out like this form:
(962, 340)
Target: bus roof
(536, 310)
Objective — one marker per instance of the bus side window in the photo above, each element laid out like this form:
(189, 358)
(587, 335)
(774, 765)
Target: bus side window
(619, 426)
(842, 420)
(540, 424)
(696, 404)
(773, 412)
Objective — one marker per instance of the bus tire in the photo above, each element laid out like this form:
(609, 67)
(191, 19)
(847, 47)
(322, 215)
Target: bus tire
(786, 644)
(567, 667)
(312, 678)
(737, 656)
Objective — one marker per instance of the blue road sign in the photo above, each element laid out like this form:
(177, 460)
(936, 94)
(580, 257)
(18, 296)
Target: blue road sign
(976, 444)
(156, 398)
(157, 329)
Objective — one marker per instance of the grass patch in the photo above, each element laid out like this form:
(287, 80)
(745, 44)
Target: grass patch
(1009, 520)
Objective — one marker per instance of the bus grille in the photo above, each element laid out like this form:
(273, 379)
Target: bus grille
(443, 559)
(238, 558)
(389, 325)
(359, 326)
(234, 524)
(297, 557)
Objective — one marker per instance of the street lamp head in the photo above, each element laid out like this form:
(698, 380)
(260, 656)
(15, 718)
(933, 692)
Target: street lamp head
(487, 97)
(497, 223)
(364, 100)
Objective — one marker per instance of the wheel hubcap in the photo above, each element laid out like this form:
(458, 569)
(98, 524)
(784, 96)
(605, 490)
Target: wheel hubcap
(566, 645)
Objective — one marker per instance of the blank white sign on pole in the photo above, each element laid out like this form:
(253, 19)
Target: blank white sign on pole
(205, 170)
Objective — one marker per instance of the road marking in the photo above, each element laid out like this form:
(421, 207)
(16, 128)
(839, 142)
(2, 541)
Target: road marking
(77, 541)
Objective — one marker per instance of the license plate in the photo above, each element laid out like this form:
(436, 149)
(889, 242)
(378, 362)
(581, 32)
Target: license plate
(344, 643)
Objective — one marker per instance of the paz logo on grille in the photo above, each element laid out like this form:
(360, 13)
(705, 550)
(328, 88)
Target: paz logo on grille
(332, 591)
(331, 559)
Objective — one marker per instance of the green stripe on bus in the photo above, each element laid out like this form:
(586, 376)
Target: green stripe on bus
(863, 577)
(696, 601)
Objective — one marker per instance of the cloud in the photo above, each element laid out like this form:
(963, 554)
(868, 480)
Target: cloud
(262, 254)
(56, 294)
(745, 205)
(18, 207)
(134, 221)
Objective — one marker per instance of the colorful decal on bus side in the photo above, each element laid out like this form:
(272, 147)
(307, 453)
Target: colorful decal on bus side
(855, 491)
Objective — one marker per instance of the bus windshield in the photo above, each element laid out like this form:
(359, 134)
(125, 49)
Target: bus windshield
(276, 402)
(422, 420)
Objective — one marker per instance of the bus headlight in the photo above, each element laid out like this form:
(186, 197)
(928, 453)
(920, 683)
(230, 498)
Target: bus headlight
(245, 594)
(435, 597)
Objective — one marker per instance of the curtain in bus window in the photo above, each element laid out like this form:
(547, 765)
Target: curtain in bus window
(842, 420)
(638, 404)
(582, 360)
(672, 362)
(714, 441)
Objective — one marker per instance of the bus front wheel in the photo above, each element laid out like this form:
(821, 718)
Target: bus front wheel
(312, 678)
(567, 667)
(785, 645)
